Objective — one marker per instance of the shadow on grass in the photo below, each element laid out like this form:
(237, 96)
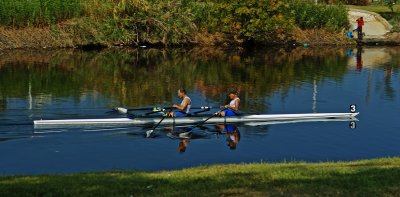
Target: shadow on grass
(269, 181)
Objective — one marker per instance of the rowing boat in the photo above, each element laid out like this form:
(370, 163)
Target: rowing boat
(147, 120)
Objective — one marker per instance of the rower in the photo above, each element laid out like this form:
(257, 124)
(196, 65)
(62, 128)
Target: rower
(183, 109)
(233, 106)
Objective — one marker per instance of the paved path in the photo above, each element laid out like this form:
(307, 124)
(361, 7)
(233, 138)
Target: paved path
(375, 25)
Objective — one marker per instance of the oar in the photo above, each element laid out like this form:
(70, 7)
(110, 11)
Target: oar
(126, 110)
(201, 123)
(149, 132)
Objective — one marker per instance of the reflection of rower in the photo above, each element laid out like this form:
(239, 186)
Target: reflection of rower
(183, 144)
(359, 62)
(179, 133)
(183, 135)
(232, 135)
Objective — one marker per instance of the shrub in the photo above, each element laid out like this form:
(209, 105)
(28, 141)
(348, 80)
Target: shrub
(309, 15)
(37, 12)
(255, 20)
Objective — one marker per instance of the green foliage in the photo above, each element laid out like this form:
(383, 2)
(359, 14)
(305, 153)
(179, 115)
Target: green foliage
(23, 13)
(395, 21)
(173, 22)
(255, 20)
(140, 21)
(250, 20)
(309, 15)
(390, 4)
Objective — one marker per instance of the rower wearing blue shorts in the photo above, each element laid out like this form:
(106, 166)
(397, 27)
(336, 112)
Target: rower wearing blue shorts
(233, 107)
(183, 109)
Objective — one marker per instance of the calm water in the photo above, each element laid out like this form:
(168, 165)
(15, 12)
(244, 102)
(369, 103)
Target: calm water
(72, 84)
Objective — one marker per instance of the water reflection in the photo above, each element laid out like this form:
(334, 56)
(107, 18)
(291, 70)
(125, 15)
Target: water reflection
(147, 77)
(3, 104)
(230, 131)
(386, 59)
(61, 83)
(184, 134)
(359, 58)
(64, 84)
(137, 77)
(232, 135)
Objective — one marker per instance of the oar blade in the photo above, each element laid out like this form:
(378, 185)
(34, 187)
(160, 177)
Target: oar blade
(121, 110)
(149, 132)
(185, 135)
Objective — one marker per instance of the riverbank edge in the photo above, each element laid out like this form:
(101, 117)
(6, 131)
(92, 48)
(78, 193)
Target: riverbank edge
(39, 38)
(56, 37)
(374, 177)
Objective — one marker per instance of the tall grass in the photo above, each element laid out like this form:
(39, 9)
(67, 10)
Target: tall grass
(309, 15)
(21, 13)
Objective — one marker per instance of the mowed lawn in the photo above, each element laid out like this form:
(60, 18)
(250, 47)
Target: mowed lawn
(376, 8)
(378, 177)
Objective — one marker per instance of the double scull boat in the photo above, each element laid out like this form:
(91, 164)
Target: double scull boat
(148, 120)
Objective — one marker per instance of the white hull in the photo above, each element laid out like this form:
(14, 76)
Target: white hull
(198, 119)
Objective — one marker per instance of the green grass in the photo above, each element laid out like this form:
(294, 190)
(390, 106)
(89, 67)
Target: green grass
(378, 177)
(376, 8)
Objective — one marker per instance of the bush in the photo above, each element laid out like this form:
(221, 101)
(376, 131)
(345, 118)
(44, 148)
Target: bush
(22, 13)
(309, 15)
(254, 20)
(173, 22)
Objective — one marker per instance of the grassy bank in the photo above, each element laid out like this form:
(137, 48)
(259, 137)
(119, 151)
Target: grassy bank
(170, 22)
(376, 8)
(378, 177)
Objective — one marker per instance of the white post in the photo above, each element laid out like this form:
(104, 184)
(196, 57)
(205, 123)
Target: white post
(30, 91)
(314, 106)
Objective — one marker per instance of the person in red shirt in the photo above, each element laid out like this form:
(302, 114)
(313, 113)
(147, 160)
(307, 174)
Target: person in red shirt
(360, 23)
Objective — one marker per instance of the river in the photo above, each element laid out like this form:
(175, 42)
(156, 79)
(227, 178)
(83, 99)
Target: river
(62, 84)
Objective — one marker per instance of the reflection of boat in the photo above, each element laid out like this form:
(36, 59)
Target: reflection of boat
(299, 121)
(146, 120)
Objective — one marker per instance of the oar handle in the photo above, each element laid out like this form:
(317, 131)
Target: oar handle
(201, 107)
(149, 132)
(201, 123)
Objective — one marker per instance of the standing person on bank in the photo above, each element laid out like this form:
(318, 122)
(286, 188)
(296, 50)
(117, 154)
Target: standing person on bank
(360, 23)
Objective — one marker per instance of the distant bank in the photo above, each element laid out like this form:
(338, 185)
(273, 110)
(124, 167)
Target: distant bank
(158, 23)
(103, 23)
